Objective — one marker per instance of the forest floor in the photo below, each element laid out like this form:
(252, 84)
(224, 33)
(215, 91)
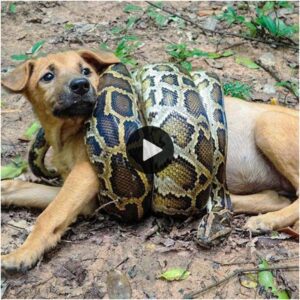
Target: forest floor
(79, 265)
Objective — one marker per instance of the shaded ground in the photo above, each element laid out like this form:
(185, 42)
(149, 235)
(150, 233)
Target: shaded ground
(78, 266)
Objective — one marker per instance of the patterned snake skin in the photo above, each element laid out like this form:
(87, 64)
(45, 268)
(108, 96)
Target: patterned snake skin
(190, 108)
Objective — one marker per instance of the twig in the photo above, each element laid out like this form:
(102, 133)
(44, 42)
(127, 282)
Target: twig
(232, 46)
(238, 272)
(273, 73)
(151, 231)
(104, 205)
(17, 227)
(203, 29)
(121, 263)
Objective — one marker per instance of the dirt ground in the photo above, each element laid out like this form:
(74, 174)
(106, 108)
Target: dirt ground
(79, 265)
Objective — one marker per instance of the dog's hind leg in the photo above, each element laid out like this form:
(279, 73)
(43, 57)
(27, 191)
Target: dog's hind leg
(27, 194)
(263, 202)
(276, 135)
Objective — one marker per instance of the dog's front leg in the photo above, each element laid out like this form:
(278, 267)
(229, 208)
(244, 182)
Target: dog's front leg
(78, 190)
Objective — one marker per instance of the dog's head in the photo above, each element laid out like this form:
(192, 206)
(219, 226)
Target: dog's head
(63, 84)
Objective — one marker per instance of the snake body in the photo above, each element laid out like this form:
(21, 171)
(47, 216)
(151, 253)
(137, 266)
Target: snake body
(190, 108)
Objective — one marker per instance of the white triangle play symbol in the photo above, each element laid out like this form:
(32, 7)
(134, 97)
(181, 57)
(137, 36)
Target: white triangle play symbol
(150, 150)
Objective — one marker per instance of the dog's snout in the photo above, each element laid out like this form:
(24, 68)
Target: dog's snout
(80, 86)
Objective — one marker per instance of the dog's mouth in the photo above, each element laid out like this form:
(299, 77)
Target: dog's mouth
(70, 105)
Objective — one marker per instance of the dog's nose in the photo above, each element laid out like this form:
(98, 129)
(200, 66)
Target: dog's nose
(80, 86)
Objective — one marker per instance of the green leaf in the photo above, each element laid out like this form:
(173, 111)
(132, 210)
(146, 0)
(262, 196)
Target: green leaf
(290, 85)
(186, 65)
(131, 22)
(237, 89)
(175, 274)
(286, 4)
(268, 23)
(32, 130)
(267, 280)
(131, 7)
(230, 16)
(37, 46)
(199, 53)
(252, 28)
(13, 169)
(160, 20)
(213, 55)
(227, 53)
(116, 30)
(12, 8)
(104, 46)
(282, 294)
(284, 30)
(159, 4)
(128, 61)
(179, 21)
(247, 62)
(69, 26)
(19, 57)
(269, 5)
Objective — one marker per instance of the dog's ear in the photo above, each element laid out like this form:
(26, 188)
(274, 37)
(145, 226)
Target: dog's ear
(16, 80)
(98, 59)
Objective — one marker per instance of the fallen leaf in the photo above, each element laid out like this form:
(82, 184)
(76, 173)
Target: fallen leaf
(290, 231)
(14, 169)
(249, 280)
(247, 62)
(274, 101)
(175, 274)
(118, 285)
(31, 131)
(267, 280)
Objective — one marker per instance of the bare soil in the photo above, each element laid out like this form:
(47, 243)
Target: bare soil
(78, 266)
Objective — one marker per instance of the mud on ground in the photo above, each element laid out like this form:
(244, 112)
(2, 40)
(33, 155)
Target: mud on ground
(78, 266)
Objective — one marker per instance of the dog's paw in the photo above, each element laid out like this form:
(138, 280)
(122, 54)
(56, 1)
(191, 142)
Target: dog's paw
(259, 224)
(20, 260)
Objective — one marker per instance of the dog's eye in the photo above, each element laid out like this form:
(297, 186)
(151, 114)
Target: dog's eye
(48, 76)
(86, 71)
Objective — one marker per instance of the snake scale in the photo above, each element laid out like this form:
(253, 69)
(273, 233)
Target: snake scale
(190, 108)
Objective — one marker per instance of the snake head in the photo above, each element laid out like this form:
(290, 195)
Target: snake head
(214, 228)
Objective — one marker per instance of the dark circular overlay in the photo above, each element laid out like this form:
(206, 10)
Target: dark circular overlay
(155, 136)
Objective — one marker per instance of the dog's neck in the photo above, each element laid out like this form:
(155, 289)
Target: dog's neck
(59, 131)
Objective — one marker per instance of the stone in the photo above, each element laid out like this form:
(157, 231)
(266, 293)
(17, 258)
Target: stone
(269, 89)
(267, 59)
(210, 23)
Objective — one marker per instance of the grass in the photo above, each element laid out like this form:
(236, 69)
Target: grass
(237, 89)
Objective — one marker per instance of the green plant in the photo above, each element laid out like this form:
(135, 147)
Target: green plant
(161, 19)
(9, 8)
(180, 53)
(118, 30)
(231, 17)
(290, 85)
(265, 23)
(12, 8)
(237, 89)
(14, 169)
(125, 49)
(131, 8)
(32, 53)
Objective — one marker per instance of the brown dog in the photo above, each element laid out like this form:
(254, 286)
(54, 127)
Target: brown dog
(262, 152)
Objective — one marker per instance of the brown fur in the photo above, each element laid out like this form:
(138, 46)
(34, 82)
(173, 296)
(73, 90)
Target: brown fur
(270, 133)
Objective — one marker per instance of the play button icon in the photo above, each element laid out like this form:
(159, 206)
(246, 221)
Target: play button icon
(149, 149)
